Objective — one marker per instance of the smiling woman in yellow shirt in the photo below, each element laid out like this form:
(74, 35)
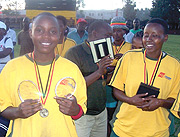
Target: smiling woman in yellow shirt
(140, 116)
(44, 69)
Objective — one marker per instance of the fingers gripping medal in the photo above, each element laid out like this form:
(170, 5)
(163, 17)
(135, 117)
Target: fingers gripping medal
(65, 87)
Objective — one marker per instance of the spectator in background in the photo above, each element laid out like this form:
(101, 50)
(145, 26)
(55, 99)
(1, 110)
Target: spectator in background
(24, 39)
(129, 24)
(120, 47)
(129, 35)
(136, 26)
(64, 42)
(137, 40)
(6, 47)
(80, 34)
(71, 23)
(94, 122)
(119, 30)
(11, 34)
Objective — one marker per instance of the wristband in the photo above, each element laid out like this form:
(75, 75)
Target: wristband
(79, 114)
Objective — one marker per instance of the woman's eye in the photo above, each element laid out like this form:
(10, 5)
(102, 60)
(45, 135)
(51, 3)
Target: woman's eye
(155, 36)
(53, 32)
(39, 31)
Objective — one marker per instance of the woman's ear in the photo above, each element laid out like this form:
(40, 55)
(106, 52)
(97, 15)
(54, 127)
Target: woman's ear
(94, 34)
(165, 37)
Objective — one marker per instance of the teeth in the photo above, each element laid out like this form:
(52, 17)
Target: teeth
(46, 44)
(149, 45)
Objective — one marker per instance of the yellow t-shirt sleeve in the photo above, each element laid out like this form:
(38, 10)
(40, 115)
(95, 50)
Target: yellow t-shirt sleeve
(81, 95)
(119, 77)
(175, 88)
(5, 93)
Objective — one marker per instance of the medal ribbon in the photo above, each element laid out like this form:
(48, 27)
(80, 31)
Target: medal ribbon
(119, 48)
(154, 71)
(39, 79)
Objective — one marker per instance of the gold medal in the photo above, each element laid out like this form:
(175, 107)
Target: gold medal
(104, 83)
(44, 113)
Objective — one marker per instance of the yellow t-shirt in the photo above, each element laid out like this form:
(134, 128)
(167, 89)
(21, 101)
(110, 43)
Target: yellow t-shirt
(128, 74)
(123, 48)
(61, 49)
(55, 124)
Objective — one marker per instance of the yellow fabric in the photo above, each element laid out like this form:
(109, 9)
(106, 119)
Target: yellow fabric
(123, 49)
(68, 14)
(127, 76)
(176, 106)
(56, 124)
(61, 49)
(127, 46)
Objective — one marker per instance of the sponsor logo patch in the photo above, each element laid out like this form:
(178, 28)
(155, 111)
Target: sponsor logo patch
(162, 75)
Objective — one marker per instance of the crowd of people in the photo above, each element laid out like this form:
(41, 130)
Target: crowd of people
(113, 97)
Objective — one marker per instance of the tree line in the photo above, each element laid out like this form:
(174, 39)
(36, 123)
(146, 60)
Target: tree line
(169, 10)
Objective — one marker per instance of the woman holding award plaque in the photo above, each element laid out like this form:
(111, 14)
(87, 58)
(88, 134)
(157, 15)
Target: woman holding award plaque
(42, 93)
(147, 82)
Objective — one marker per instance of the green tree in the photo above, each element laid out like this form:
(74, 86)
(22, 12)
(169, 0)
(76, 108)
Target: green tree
(9, 12)
(11, 8)
(128, 10)
(169, 10)
(143, 14)
(80, 3)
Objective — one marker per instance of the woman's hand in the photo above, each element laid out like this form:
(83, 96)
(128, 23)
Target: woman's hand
(68, 106)
(28, 108)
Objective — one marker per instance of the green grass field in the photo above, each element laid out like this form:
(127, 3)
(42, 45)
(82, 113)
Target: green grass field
(172, 46)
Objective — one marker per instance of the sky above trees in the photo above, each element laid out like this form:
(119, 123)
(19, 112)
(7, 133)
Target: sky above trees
(95, 4)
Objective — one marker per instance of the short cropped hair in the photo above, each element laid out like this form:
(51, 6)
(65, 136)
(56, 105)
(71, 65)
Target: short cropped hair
(63, 19)
(137, 19)
(160, 21)
(138, 34)
(44, 14)
(97, 25)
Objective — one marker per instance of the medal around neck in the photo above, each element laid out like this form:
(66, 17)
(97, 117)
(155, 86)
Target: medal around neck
(104, 83)
(65, 87)
(44, 113)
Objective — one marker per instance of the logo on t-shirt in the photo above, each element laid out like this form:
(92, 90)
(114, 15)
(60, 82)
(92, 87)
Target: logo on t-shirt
(162, 75)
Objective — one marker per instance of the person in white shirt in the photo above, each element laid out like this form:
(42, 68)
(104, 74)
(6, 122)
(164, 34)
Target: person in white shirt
(6, 46)
(11, 34)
